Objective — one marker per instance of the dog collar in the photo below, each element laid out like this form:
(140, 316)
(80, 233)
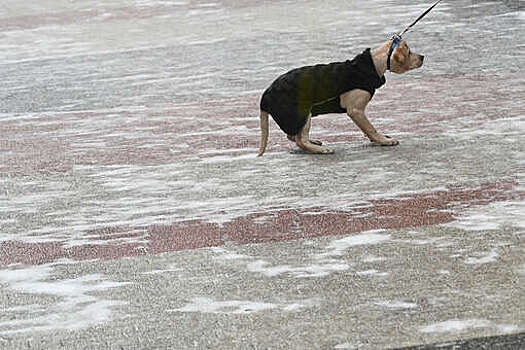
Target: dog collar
(396, 39)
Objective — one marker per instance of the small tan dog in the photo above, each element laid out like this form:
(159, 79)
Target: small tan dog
(302, 93)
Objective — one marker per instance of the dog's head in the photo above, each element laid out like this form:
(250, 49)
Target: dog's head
(403, 60)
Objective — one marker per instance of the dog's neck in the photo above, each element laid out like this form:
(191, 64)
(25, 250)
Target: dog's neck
(380, 56)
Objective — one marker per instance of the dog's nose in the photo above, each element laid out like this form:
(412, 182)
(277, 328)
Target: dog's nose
(422, 58)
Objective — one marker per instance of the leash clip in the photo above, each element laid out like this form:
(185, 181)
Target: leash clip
(396, 38)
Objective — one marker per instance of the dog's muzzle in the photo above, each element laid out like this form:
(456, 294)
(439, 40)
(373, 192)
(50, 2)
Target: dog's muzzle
(421, 59)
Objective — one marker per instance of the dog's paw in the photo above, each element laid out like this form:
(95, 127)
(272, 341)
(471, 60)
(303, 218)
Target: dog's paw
(385, 140)
(320, 150)
(326, 150)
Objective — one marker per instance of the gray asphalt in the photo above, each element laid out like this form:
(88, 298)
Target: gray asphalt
(135, 215)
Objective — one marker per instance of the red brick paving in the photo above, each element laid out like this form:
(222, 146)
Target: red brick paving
(415, 210)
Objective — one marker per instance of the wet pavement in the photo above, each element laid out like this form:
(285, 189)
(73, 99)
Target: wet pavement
(134, 213)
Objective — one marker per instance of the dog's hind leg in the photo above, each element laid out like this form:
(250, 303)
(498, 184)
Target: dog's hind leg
(302, 139)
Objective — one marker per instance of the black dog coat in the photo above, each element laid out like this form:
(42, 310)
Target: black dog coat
(316, 89)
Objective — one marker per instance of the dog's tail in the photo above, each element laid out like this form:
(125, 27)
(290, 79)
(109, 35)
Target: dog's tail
(264, 132)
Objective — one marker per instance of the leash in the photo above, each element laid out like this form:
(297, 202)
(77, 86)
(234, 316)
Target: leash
(396, 38)
(419, 18)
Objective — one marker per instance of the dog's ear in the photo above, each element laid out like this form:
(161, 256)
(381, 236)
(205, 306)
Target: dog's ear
(399, 56)
(401, 52)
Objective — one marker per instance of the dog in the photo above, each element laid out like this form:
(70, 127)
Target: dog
(340, 87)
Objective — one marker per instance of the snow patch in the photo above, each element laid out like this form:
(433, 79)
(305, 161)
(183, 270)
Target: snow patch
(323, 264)
(484, 259)
(372, 259)
(338, 247)
(457, 326)
(372, 272)
(76, 307)
(224, 254)
(396, 304)
(493, 216)
(208, 305)
(314, 270)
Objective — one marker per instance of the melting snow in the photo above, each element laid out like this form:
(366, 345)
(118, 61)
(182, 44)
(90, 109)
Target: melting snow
(207, 305)
(76, 307)
(457, 326)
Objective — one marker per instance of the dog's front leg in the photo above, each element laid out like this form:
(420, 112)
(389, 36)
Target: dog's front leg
(359, 117)
(355, 102)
